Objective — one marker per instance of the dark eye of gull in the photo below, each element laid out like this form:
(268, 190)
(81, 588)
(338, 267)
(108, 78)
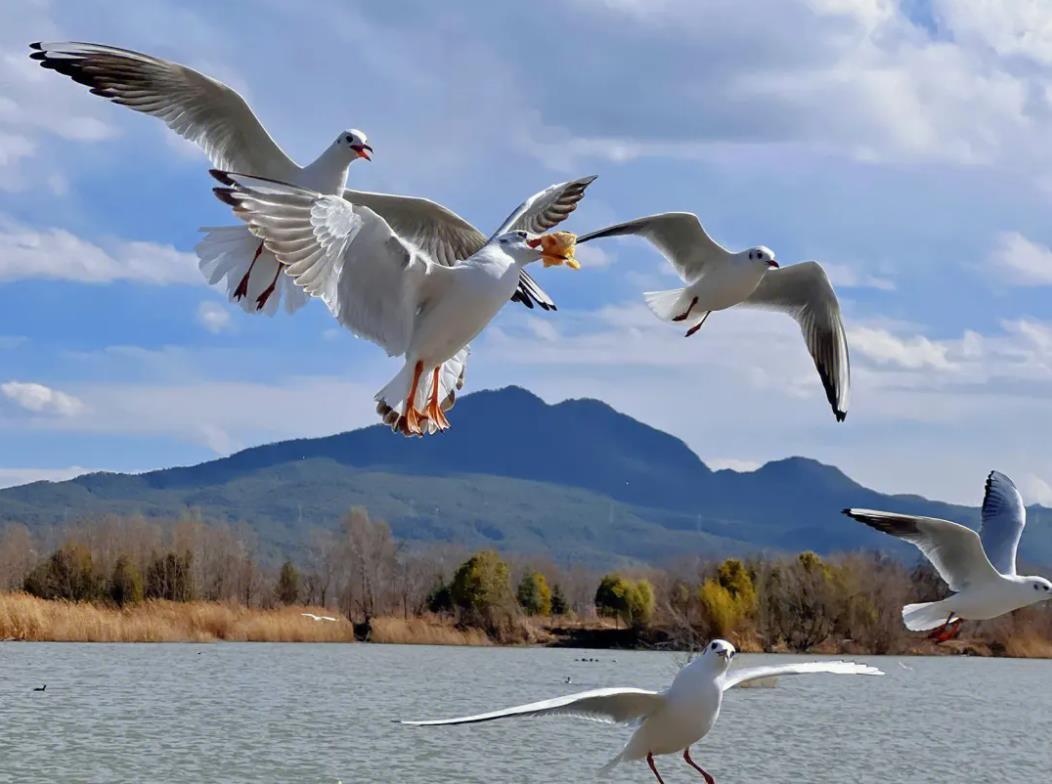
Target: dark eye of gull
(714, 646)
(348, 139)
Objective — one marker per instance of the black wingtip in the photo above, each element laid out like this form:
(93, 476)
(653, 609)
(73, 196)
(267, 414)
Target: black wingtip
(846, 511)
(37, 45)
(226, 195)
(840, 415)
(223, 176)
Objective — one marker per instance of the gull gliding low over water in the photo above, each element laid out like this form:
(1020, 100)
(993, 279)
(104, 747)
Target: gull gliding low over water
(392, 292)
(978, 567)
(669, 721)
(215, 117)
(718, 279)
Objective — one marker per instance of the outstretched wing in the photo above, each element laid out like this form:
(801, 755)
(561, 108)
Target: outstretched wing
(679, 236)
(1004, 518)
(612, 706)
(739, 676)
(197, 107)
(344, 254)
(546, 209)
(954, 550)
(804, 292)
(442, 234)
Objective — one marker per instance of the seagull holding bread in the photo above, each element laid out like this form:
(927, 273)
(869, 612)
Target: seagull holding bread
(394, 293)
(669, 721)
(980, 568)
(216, 118)
(718, 279)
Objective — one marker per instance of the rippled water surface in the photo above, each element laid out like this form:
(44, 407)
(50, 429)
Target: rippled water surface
(322, 713)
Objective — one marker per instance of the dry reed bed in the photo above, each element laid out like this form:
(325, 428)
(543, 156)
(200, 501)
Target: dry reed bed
(24, 617)
(425, 630)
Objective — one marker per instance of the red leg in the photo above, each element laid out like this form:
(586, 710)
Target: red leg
(410, 420)
(708, 778)
(242, 287)
(650, 762)
(683, 316)
(434, 410)
(698, 326)
(261, 300)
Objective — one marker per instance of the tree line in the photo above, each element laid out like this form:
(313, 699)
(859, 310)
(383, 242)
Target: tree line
(784, 602)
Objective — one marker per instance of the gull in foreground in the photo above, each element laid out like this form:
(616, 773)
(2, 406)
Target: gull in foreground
(669, 721)
(314, 617)
(978, 567)
(216, 118)
(718, 279)
(392, 292)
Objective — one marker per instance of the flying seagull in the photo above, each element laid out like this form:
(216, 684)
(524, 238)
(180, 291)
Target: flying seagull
(978, 567)
(718, 279)
(391, 291)
(314, 617)
(669, 721)
(216, 118)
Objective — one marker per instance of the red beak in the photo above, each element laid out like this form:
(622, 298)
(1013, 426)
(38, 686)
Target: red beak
(534, 243)
(364, 151)
(772, 263)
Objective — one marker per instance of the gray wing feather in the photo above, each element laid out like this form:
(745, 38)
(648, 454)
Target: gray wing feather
(804, 292)
(1004, 518)
(611, 706)
(197, 107)
(954, 550)
(546, 209)
(679, 236)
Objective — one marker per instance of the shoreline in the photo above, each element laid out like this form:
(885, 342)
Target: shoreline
(24, 618)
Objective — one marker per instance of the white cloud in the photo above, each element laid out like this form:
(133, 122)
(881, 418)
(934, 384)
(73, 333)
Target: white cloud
(1035, 490)
(1021, 261)
(40, 399)
(213, 317)
(848, 277)
(885, 348)
(57, 254)
(732, 463)
(12, 477)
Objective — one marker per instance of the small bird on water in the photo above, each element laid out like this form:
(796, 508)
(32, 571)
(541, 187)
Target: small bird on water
(40, 688)
(669, 721)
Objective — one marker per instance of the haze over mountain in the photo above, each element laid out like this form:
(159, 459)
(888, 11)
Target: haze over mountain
(576, 480)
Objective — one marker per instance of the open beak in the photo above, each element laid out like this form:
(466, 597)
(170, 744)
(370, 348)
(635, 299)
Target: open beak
(772, 263)
(556, 248)
(728, 655)
(364, 151)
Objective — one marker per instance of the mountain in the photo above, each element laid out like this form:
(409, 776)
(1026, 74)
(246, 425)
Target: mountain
(577, 480)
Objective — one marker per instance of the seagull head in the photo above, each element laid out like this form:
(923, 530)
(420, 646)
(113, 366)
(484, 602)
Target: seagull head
(1040, 588)
(355, 141)
(721, 651)
(555, 248)
(761, 255)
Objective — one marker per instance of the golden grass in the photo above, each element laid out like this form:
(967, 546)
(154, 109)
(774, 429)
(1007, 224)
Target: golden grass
(24, 617)
(424, 630)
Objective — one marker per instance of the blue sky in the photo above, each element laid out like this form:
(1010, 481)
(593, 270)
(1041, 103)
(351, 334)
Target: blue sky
(904, 145)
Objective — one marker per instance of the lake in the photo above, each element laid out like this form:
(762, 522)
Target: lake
(321, 713)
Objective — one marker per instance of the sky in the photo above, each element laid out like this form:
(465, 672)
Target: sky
(905, 145)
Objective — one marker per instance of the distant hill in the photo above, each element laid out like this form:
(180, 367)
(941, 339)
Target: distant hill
(576, 480)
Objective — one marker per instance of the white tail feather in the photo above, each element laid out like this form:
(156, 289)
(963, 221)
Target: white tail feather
(225, 252)
(925, 616)
(391, 398)
(666, 305)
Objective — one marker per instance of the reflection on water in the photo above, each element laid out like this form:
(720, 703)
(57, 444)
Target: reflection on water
(319, 713)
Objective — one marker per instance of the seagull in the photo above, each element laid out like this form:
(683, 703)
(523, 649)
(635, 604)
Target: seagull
(978, 567)
(392, 292)
(314, 617)
(718, 279)
(216, 118)
(669, 721)
(41, 688)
